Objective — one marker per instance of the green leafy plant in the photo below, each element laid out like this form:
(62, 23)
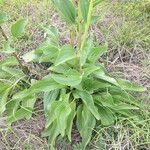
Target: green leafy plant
(14, 75)
(77, 90)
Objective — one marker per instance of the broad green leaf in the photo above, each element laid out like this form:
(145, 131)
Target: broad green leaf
(26, 103)
(51, 116)
(63, 96)
(47, 131)
(3, 17)
(88, 123)
(127, 113)
(66, 9)
(49, 97)
(53, 136)
(17, 29)
(65, 54)
(104, 99)
(13, 71)
(53, 33)
(107, 117)
(9, 61)
(21, 94)
(62, 68)
(52, 132)
(91, 85)
(96, 52)
(89, 68)
(70, 120)
(49, 54)
(12, 106)
(73, 62)
(123, 106)
(88, 101)
(62, 112)
(123, 96)
(20, 114)
(46, 58)
(50, 49)
(29, 104)
(31, 56)
(3, 101)
(84, 8)
(45, 52)
(131, 86)
(106, 105)
(45, 85)
(44, 45)
(85, 51)
(70, 78)
(4, 75)
(4, 87)
(79, 121)
(7, 48)
(100, 74)
(107, 100)
(107, 97)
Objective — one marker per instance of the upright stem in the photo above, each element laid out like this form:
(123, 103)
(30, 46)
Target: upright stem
(75, 2)
(81, 42)
(87, 24)
(72, 35)
(79, 24)
(3, 33)
(79, 34)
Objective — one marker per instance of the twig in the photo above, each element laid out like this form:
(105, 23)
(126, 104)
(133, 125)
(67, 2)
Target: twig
(3, 33)
(24, 68)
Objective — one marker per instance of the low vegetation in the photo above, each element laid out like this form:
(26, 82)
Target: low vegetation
(77, 91)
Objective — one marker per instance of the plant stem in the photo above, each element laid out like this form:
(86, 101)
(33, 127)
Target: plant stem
(75, 2)
(71, 36)
(3, 33)
(87, 24)
(79, 34)
(81, 44)
(23, 68)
